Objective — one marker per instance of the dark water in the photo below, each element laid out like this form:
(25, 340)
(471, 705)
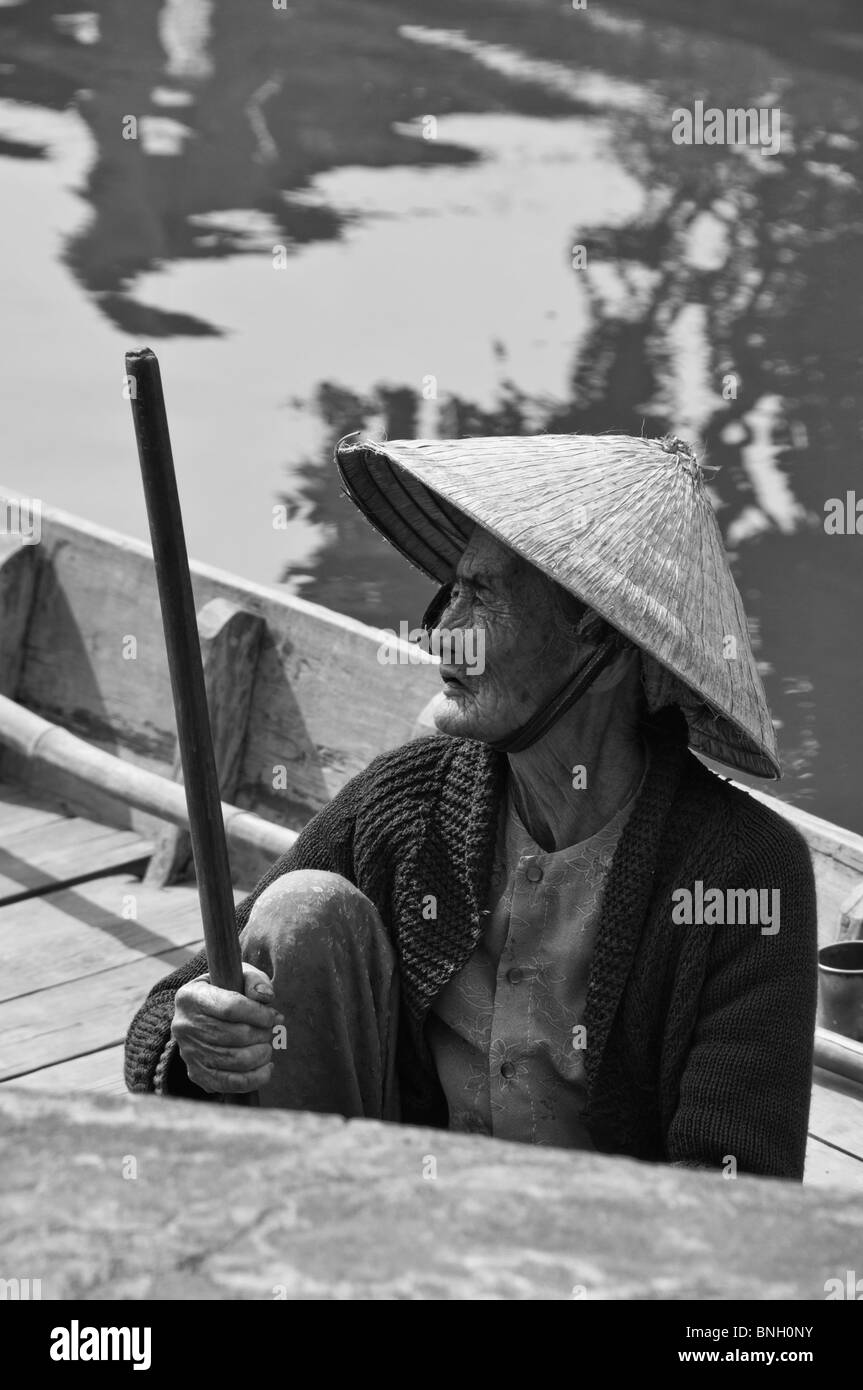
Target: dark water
(429, 286)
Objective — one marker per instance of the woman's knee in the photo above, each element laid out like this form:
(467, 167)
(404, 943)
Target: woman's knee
(311, 899)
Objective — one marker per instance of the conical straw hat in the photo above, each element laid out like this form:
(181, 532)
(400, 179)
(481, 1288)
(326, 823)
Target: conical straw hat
(623, 523)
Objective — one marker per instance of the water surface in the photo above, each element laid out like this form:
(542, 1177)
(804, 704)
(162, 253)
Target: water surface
(426, 178)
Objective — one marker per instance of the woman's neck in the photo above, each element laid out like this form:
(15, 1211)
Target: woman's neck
(571, 783)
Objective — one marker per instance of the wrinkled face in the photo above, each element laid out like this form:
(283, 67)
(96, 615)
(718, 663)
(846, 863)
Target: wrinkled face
(523, 665)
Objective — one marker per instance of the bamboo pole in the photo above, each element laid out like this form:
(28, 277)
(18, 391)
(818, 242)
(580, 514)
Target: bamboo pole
(40, 740)
(834, 1052)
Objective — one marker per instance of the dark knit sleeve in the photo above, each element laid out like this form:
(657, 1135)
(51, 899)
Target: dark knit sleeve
(747, 1082)
(152, 1060)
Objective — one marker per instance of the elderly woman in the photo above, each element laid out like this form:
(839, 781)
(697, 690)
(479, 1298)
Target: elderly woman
(550, 922)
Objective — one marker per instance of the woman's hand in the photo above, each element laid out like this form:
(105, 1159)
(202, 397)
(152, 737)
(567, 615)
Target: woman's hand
(226, 1039)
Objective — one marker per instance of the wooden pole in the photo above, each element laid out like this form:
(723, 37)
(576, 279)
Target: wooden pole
(187, 675)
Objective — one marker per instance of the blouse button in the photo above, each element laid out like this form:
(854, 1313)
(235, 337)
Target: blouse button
(533, 873)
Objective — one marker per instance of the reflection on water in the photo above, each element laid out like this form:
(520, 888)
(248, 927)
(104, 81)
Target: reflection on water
(430, 285)
(185, 29)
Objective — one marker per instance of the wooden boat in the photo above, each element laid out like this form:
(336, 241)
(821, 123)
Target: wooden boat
(93, 857)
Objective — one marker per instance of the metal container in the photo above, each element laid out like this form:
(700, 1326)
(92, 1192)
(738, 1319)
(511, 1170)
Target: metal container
(840, 981)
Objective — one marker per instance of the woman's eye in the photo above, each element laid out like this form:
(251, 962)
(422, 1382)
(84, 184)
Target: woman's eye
(469, 591)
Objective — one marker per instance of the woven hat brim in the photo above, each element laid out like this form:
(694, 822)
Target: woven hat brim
(430, 529)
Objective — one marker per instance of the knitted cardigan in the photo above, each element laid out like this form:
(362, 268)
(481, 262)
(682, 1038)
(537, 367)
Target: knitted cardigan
(699, 1038)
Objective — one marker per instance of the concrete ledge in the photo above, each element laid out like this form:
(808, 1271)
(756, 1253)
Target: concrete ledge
(242, 1204)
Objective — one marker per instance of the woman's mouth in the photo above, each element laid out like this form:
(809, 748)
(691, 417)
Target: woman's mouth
(453, 683)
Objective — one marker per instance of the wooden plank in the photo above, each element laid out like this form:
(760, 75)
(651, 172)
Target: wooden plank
(323, 1209)
(836, 1115)
(71, 1020)
(836, 880)
(100, 1072)
(323, 705)
(22, 808)
(828, 1167)
(837, 860)
(78, 932)
(851, 916)
(17, 590)
(67, 850)
(230, 640)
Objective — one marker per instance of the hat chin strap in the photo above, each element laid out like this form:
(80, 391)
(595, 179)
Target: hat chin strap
(557, 706)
